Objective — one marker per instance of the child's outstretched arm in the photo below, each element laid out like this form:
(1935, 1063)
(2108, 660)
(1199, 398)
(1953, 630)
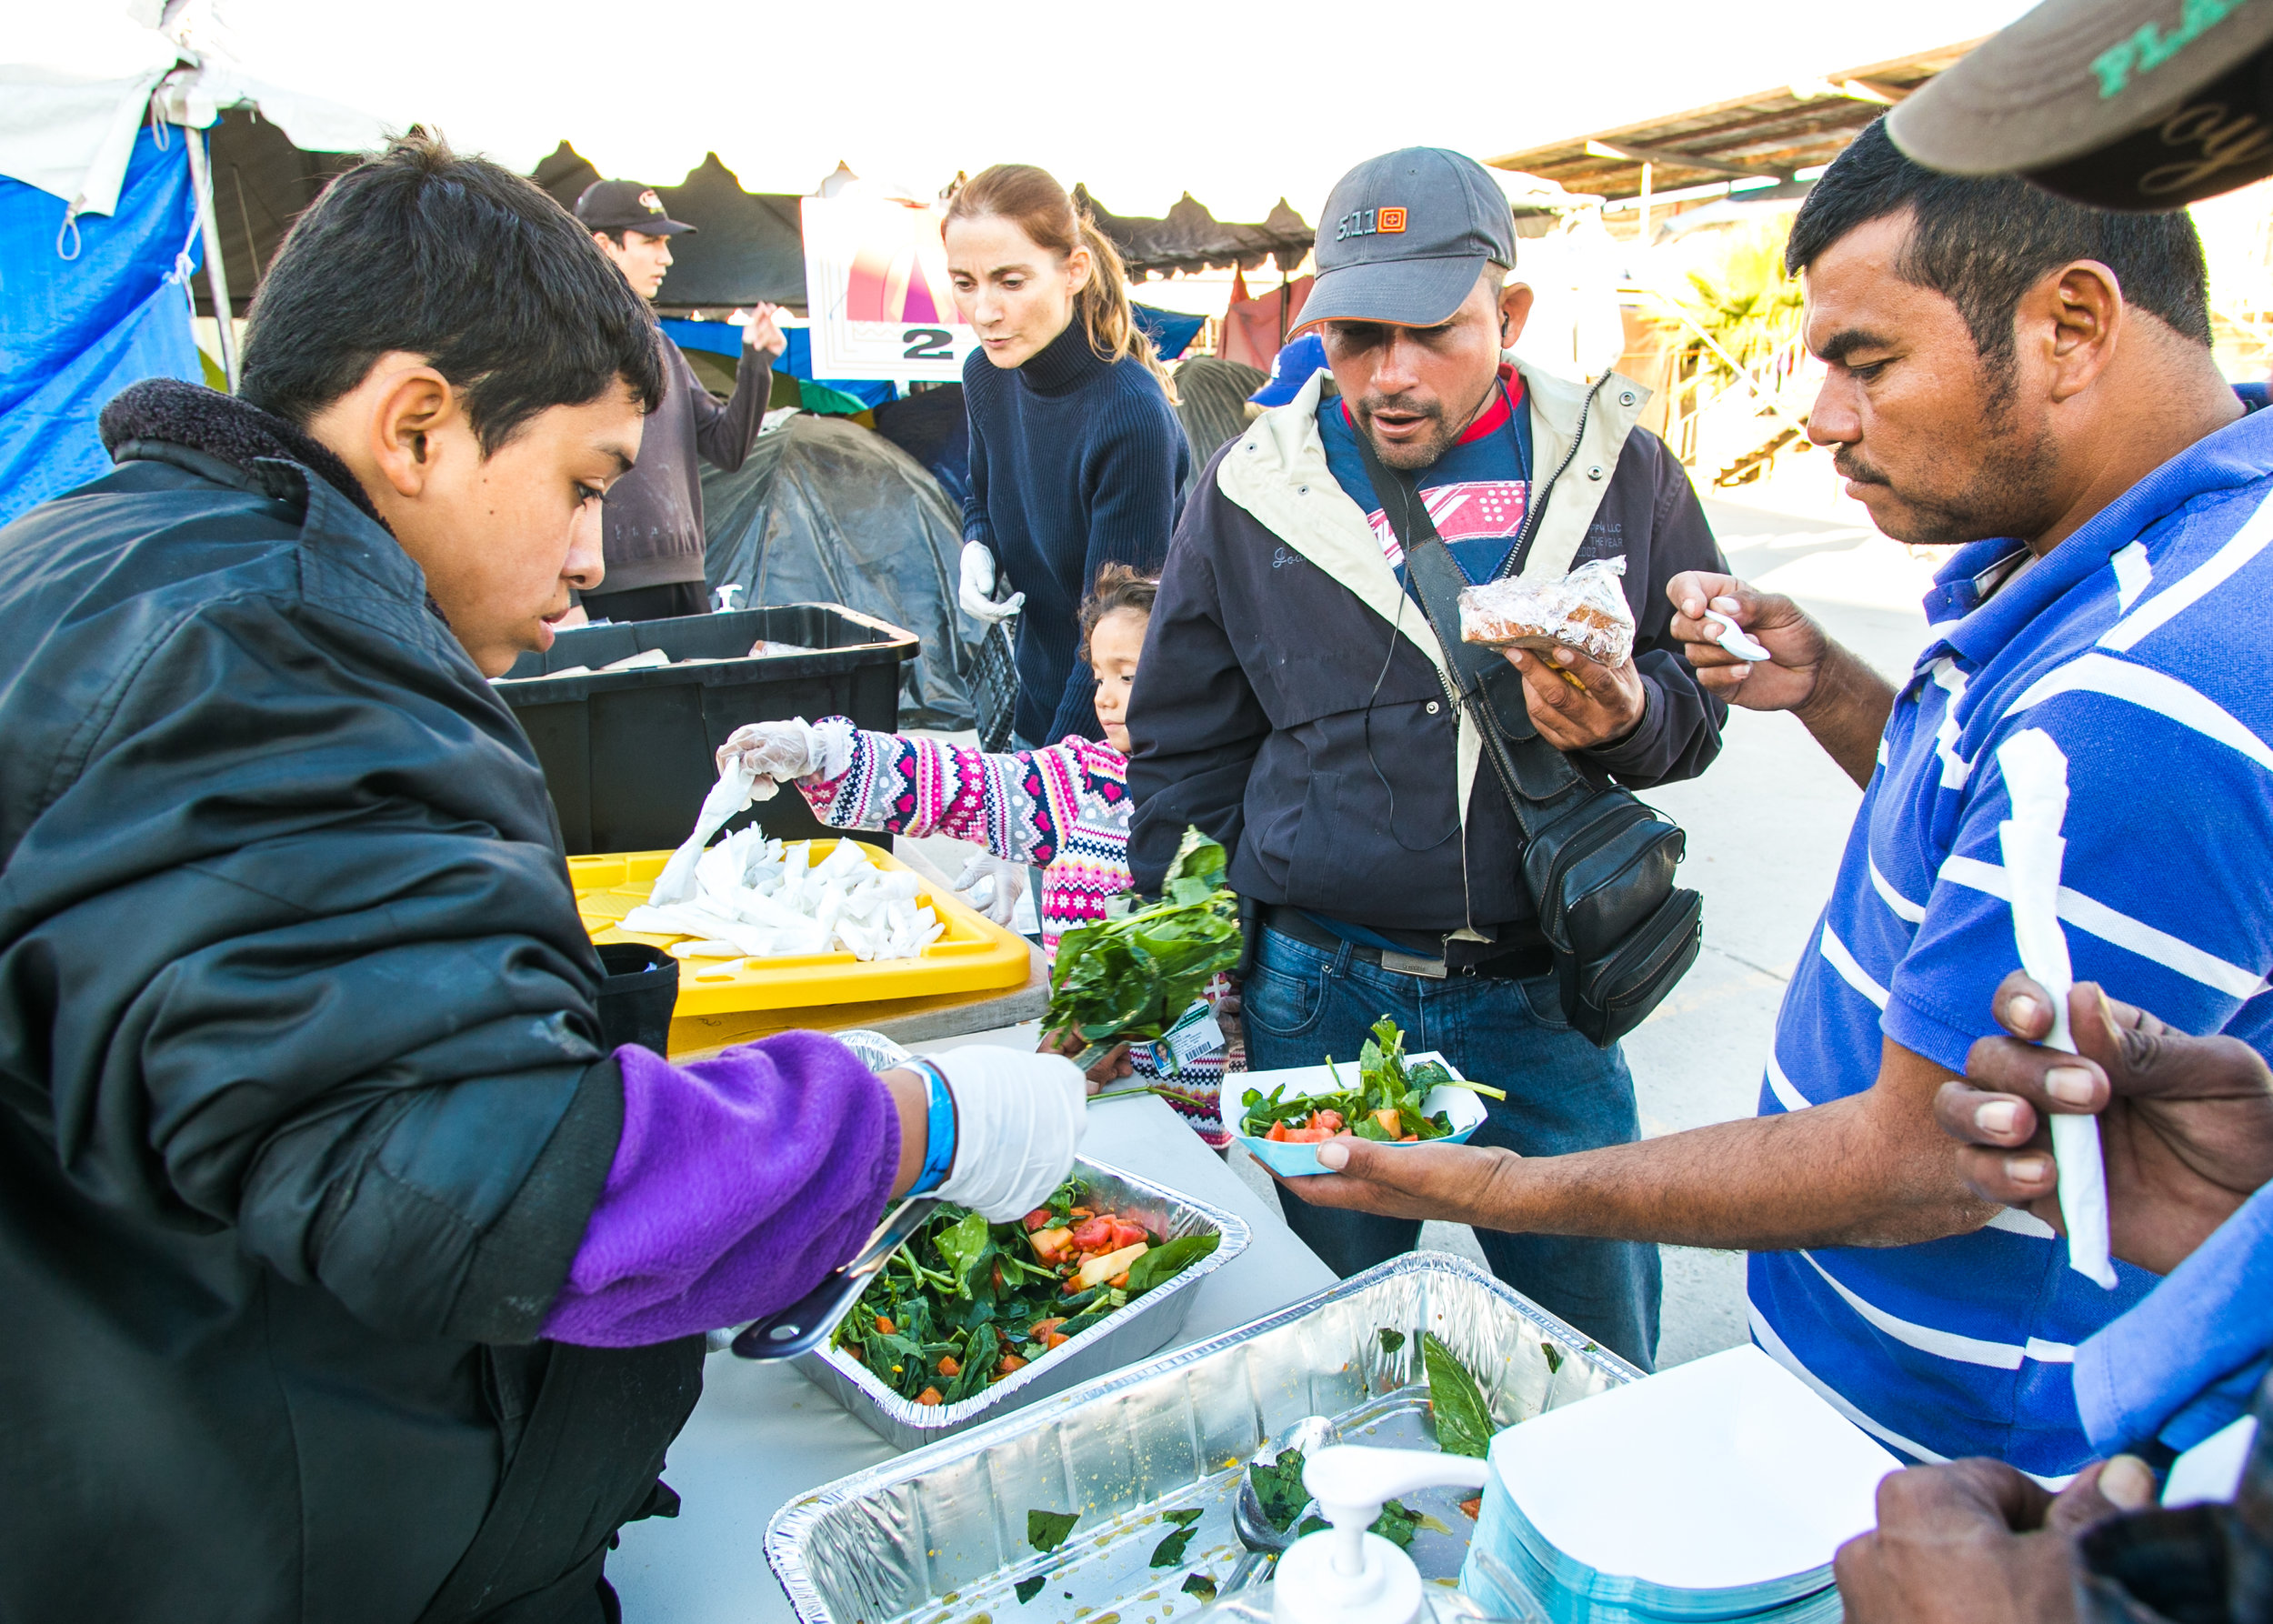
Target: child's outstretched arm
(856, 779)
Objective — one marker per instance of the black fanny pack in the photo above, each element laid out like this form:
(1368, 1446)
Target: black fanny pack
(1597, 863)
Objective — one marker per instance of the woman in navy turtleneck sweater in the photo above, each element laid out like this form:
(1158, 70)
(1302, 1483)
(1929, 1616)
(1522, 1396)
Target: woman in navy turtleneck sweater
(1077, 460)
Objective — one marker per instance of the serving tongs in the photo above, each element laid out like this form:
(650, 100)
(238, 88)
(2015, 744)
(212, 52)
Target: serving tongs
(806, 1323)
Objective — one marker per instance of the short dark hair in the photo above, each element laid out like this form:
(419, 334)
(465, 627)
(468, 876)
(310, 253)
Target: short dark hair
(1983, 243)
(463, 262)
(1119, 587)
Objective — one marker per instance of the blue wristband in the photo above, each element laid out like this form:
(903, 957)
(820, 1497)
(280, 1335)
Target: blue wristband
(938, 1128)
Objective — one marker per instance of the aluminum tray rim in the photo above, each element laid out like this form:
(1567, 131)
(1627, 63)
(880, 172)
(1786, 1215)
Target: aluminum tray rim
(786, 1529)
(954, 1418)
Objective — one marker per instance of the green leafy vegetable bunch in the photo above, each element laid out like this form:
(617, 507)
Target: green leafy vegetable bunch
(1130, 977)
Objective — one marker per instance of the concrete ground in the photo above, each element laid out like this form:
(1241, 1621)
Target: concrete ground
(1766, 824)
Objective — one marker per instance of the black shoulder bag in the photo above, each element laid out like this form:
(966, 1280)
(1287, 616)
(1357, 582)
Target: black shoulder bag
(1598, 864)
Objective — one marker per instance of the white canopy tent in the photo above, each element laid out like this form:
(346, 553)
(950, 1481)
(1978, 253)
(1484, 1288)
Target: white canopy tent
(69, 129)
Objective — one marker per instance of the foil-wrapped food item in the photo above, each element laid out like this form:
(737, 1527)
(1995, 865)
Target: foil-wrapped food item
(1585, 610)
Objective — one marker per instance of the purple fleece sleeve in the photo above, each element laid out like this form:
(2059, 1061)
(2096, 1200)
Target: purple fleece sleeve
(737, 1184)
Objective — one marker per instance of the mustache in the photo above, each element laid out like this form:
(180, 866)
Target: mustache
(1369, 404)
(1851, 466)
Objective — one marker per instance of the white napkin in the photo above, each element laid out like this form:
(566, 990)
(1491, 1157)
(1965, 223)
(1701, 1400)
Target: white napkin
(2035, 778)
(727, 797)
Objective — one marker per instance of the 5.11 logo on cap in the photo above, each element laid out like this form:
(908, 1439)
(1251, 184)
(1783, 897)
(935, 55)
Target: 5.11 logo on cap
(1368, 222)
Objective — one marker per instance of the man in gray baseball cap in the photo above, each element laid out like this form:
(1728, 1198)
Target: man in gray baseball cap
(1291, 705)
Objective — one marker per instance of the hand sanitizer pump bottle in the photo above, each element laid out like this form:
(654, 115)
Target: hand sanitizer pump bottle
(1346, 1575)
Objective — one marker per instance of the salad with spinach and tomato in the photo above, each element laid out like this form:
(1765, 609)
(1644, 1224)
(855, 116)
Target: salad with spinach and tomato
(966, 1303)
(1386, 1106)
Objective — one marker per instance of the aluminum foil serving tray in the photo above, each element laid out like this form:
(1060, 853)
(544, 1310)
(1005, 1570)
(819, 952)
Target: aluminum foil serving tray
(939, 1535)
(1138, 1331)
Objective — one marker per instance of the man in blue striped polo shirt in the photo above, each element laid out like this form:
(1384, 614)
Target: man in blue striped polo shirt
(2028, 381)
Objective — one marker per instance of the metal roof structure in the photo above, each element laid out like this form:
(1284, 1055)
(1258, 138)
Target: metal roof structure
(1765, 137)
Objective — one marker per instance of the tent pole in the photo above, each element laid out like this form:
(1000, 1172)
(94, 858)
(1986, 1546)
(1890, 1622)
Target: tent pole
(216, 274)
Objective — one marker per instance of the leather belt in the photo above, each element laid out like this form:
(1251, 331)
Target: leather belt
(1517, 963)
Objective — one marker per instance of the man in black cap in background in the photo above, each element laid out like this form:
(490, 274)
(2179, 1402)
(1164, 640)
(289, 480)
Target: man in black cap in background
(653, 543)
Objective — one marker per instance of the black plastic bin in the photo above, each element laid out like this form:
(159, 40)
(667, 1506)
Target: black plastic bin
(629, 756)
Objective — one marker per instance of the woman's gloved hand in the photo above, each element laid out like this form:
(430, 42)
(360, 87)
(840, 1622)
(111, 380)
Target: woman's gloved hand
(1006, 879)
(977, 593)
(778, 753)
(1018, 1119)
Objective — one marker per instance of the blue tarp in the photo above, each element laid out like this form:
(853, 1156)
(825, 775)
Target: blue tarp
(724, 338)
(1171, 331)
(75, 332)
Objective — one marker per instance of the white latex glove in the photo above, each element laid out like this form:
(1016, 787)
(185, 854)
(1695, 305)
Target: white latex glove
(1007, 880)
(975, 595)
(1018, 1121)
(776, 753)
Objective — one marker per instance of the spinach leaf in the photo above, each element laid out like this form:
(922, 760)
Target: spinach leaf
(964, 1248)
(1391, 1340)
(1046, 1530)
(1133, 977)
(1554, 1357)
(1164, 1262)
(1169, 1552)
(1027, 1589)
(1396, 1525)
(1279, 1488)
(1202, 1585)
(977, 1360)
(1185, 1519)
(1464, 1422)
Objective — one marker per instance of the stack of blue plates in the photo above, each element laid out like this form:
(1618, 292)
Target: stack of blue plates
(1717, 1491)
(1518, 1574)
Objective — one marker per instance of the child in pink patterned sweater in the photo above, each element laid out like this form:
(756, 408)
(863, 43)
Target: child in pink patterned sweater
(1063, 808)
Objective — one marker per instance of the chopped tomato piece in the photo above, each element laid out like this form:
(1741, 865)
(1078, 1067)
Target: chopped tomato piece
(1039, 1219)
(885, 1327)
(1410, 1138)
(1277, 1134)
(1329, 1119)
(1055, 1339)
(1473, 1509)
(1043, 1328)
(1094, 1235)
(1307, 1136)
(950, 1365)
(1125, 1234)
(1008, 1363)
(931, 1395)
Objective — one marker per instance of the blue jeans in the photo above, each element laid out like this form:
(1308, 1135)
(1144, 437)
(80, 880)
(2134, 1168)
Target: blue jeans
(1302, 1004)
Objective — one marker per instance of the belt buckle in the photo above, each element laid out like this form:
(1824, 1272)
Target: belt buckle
(1412, 964)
